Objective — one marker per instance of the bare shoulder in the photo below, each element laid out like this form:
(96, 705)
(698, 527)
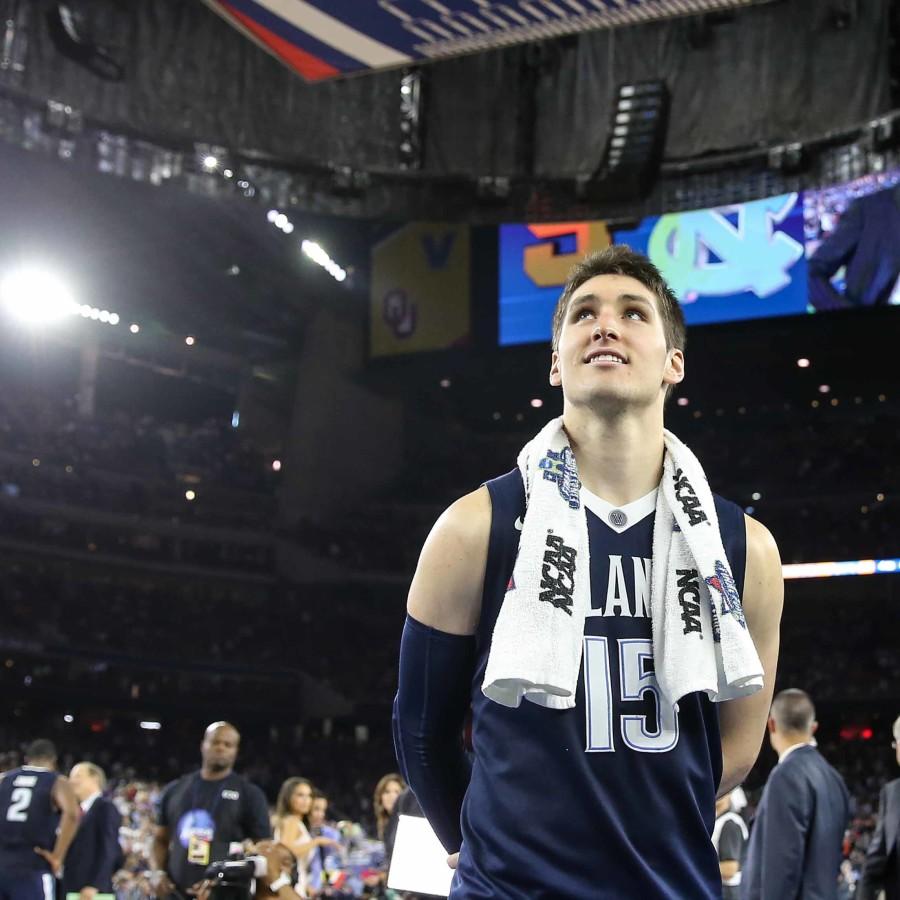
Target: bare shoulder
(446, 589)
(763, 581)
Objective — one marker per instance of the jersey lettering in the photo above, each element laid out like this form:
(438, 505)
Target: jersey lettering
(618, 600)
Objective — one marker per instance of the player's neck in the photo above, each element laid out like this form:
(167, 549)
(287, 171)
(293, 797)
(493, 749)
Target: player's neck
(214, 774)
(619, 458)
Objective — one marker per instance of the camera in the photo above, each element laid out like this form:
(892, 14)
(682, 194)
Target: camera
(232, 879)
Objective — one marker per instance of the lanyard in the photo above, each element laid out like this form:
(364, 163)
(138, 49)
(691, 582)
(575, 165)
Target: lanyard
(195, 797)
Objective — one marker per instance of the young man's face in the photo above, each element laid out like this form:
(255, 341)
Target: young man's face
(612, 347)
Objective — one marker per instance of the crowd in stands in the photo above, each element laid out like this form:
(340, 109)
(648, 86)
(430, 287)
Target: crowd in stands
(133, 464)
(159, 639)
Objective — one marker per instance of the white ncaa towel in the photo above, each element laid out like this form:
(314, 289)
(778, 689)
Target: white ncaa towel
(700, 637)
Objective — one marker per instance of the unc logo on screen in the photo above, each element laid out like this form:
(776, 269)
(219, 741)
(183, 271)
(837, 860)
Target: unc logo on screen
(728, 250)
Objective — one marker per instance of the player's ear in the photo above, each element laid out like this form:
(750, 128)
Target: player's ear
(815, 728)
(674, 373)
(555, 376)
(770, 725)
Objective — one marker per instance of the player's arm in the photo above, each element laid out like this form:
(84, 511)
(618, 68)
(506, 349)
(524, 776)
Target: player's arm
(437, 662)
(66, 802)
(742, 722)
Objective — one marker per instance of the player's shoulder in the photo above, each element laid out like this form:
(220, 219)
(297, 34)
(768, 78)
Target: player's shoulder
(467, 519)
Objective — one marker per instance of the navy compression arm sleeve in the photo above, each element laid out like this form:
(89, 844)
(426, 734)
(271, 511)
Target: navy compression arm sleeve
(432, 699)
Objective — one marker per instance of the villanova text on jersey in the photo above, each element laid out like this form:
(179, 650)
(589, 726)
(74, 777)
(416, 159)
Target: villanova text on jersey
(615, 798)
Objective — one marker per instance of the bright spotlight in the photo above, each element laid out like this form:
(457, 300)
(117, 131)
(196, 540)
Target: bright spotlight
(151, 726)
(189, 340)
(272, 215)
(104, 315)
(288, 228)
(113, 318)
(228, 173)
(537, 403)
(803, 362)
(190, 496)
(68, 718)
(281, 220)
(134, 328)
(276, 465)
(210, 163)
(36, 297)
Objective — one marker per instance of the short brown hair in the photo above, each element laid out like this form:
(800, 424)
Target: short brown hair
(793, 710)
(619, 259)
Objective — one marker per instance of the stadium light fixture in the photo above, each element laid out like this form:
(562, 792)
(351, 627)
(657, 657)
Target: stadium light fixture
(537, 403)
(190, 340)
(36, 297)
(803, 362)
(276, 465)
(151, 725)
(320, 256)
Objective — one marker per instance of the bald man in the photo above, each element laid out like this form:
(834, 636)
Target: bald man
(206, 815)
(796, 843)
(95, 853)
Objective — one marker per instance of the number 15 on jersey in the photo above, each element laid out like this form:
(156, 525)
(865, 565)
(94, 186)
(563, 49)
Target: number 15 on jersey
(636, 679)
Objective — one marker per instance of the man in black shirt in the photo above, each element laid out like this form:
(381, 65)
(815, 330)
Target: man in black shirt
(205, 815)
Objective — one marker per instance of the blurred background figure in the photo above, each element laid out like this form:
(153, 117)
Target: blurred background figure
(729, 837)
(796, 839)
(38, 821)
(95, 854)
(882, 869)
(204, 816)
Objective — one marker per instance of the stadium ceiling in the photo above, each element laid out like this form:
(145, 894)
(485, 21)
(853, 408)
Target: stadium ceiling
(323, 39)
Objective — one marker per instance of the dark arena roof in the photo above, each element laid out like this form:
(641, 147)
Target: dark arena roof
(276, 288)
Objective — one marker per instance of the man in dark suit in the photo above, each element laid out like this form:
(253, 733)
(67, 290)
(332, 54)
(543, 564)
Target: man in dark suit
(796, 843)
(882, 870)
(95, 853)
(867, 242)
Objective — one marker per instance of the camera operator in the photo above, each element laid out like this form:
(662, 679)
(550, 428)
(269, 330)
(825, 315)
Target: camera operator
(203, 816)
(277, 881)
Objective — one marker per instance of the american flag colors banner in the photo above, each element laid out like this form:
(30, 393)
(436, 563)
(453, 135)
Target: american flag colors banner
(321, 39)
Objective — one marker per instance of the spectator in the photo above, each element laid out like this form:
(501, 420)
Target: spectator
(95, 853)
(292, 811)
(882, 868)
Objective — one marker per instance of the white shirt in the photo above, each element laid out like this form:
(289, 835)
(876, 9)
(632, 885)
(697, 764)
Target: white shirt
(783, 756)
(88, 802)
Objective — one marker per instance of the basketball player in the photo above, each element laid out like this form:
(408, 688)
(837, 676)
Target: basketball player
(38, 819)
(540, 816)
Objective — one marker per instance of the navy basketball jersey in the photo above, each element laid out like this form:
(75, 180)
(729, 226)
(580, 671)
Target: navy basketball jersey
(28, 818)
(615, 798)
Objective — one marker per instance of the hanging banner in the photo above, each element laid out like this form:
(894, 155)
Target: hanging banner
(420, 289)
(322, 39)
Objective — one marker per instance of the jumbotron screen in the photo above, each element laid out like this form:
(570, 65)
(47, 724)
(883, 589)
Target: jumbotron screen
(791, 254)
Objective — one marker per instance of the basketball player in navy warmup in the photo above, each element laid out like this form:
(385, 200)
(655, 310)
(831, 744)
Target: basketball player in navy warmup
(549, 809)
(38, 819)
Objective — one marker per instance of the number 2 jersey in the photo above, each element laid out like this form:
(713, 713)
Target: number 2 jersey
(613, 799)
(28, 818)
